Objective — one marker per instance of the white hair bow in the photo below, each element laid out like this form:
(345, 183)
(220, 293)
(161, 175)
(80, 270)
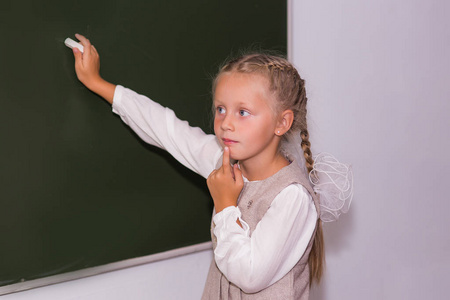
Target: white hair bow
(331, 179)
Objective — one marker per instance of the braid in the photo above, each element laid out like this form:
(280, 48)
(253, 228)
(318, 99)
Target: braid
(279, 66)
(304, 134)
(306, 147)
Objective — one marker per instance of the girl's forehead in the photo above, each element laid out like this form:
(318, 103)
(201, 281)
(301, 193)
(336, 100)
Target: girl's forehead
(233, 83)
(243, 87)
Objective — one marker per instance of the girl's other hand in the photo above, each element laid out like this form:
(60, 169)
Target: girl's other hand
(225, 184)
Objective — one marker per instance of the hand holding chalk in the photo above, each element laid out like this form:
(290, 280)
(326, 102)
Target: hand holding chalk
(87, 67)
(87, 61)
(72, 44)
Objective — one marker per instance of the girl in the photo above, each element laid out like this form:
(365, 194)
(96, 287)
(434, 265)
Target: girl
(266, 231)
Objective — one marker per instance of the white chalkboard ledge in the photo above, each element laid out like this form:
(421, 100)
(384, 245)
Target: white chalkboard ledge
(31, 284)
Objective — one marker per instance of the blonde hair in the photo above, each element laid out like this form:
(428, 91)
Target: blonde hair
(288, 89)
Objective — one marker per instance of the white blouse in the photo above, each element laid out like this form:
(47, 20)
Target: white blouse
(280, 238)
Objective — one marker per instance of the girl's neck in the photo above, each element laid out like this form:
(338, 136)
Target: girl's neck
(260, 170)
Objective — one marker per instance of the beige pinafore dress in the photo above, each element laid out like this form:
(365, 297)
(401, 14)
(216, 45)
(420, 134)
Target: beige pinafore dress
(254, 201)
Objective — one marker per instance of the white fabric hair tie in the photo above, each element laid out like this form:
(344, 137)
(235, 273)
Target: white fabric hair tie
(333, 181)
(330, 179)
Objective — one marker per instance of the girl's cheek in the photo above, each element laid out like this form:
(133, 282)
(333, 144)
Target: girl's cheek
(217, 122)
(216, 127)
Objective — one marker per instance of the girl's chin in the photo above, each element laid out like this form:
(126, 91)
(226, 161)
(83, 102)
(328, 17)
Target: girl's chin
(233, 158)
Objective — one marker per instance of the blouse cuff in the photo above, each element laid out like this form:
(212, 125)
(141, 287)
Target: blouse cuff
(225, 221)
(117, 99)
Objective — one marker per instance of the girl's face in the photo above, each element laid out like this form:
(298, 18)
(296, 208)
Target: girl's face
(244, 119)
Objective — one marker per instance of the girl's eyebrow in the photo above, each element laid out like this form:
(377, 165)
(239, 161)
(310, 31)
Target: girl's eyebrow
(240, 104)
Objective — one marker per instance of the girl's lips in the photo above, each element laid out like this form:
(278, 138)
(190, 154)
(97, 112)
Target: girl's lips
(228, 142)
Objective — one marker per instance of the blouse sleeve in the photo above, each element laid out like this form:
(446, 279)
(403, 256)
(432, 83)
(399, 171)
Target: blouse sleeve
(275, 246)
(159, 126)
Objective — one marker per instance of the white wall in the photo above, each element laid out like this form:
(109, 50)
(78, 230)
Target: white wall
(377, 74)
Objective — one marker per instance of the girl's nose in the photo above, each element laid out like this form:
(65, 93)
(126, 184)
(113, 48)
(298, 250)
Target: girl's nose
(227, 123)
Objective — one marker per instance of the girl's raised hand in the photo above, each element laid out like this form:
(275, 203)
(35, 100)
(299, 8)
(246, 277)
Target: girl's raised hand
(87, 64)
(225, 184)
(87, 67)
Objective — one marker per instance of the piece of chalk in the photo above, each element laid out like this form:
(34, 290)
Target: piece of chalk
(72, 44)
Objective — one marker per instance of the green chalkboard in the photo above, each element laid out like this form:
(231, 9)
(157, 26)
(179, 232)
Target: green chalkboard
(77, 188)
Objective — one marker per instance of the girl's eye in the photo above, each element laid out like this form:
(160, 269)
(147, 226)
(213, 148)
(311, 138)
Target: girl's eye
(244, 113)
(220, 110)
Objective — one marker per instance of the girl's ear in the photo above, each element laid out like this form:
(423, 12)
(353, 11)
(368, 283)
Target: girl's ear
(284, 122)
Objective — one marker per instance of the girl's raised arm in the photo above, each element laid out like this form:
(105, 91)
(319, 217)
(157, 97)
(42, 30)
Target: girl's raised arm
(87, 67)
